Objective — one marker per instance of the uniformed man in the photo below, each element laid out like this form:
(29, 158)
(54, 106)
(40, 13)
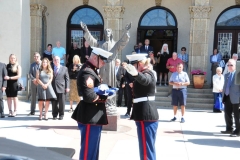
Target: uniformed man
(91, 111)
(144, 110)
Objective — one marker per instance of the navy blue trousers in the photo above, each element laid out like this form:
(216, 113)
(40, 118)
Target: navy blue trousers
(90, 141)
(146, 139)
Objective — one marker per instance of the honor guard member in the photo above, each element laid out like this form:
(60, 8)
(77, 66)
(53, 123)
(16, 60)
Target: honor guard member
(144, 111)
(91, 111)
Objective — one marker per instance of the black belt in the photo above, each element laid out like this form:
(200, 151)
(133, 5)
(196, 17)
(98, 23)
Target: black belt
(179, 88)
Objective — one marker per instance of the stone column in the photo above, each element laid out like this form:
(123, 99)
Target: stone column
(113, 18)
(199, 32)
(36, 13)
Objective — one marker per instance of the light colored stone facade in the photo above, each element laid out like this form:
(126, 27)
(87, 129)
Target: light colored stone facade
(195, 22)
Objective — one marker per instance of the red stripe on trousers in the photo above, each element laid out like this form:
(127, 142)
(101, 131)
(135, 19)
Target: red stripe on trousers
(86, 142)
(144, 141)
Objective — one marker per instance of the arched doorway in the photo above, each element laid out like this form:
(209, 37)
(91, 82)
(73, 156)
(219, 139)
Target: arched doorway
(227, 32)
(88, 15)
(159, 25)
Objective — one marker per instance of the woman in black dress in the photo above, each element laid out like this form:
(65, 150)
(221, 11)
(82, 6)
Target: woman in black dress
(162, 69)
(73, 72)
(14, 73)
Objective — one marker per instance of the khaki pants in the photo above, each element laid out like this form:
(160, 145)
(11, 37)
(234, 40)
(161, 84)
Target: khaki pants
(169, 86)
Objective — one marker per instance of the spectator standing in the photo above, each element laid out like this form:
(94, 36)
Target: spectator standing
(91, 111)
(129, 92)
(14, 73)
(73, 51)
(163, 55)
(138, 47)
(60, 52)
(215, 59)
(144, 112)
(48, 53)
(184, 57)
(3, 84)
(60, 85)
(235, 57)
(86, 51)
(218, 82)
(172, 66)
(146, 48)
(73, 70)
(34, 67)
(231, 93)
(179, 80)
(120, 82)
(46, 93)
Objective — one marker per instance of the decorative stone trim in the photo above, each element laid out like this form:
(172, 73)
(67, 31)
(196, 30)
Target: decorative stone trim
(113, 11)
(37, 9)
(200, 12)
(85, 2)
(158, 2)
(237, 2)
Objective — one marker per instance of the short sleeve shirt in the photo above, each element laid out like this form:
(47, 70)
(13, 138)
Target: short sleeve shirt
(59, 52)
(174, 63)
(179, 77)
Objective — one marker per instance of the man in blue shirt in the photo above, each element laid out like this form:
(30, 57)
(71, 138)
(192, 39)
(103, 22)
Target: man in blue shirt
(60, 52)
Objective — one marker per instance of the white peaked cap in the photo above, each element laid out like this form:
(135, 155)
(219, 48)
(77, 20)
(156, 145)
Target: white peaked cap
(136, 57)
(101, 52)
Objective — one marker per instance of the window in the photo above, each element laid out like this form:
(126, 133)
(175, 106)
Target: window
(230, 17)
(87, 15)
(158, 17)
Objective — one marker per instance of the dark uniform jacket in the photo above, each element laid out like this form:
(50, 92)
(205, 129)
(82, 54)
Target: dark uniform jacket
(144, 86)
(87, 111)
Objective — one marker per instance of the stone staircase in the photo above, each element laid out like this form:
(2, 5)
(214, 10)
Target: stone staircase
(196, 98)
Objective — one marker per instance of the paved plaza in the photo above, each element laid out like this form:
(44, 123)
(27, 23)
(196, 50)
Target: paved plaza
(198, 138)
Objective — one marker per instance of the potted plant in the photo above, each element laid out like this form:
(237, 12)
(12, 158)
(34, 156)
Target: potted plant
(198, 78)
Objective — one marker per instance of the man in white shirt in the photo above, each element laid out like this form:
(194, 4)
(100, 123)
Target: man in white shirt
(235, 57)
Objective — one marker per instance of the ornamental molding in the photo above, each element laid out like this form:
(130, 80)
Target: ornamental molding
(200, 12)
(37, 9)
(113, 11)
(114, 2)
(85, 2)
(158, 2)
(237, 2)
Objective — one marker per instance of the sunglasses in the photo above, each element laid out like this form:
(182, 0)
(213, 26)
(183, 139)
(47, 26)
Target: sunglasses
(183, 50)
(230, 65)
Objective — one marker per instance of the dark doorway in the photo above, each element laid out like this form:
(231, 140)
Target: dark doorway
(227, 32)
(158, 37)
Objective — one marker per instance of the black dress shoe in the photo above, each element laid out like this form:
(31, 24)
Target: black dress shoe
(2, 115)
(227, 132)
(31, 113)
(235, 135)
(60, 118)
(54, 118)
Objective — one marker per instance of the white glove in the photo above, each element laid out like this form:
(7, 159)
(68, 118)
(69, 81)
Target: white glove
(131, 70)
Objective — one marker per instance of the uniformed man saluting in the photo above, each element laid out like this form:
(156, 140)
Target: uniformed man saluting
(91, 111)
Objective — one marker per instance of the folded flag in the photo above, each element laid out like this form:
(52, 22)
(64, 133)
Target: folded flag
(103, 89)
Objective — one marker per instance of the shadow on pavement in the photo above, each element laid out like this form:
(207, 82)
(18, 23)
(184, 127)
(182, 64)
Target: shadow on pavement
(215, 142)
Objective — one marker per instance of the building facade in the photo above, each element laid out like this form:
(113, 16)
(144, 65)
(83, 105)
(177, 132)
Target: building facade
(28, 26)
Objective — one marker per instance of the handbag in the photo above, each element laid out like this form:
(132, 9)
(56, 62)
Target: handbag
(19, 86)
(218, 104)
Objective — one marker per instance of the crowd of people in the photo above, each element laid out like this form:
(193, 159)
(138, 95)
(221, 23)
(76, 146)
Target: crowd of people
(55, 73)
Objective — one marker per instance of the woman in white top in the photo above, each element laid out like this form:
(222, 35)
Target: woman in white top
(218, 82)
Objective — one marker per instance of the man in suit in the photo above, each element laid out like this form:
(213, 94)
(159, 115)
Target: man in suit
(34, 67)
(3, 83)
(231, 93)
(119, 71)
(146, 48)
(138, 49)
(86, 51)
(60, 85)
